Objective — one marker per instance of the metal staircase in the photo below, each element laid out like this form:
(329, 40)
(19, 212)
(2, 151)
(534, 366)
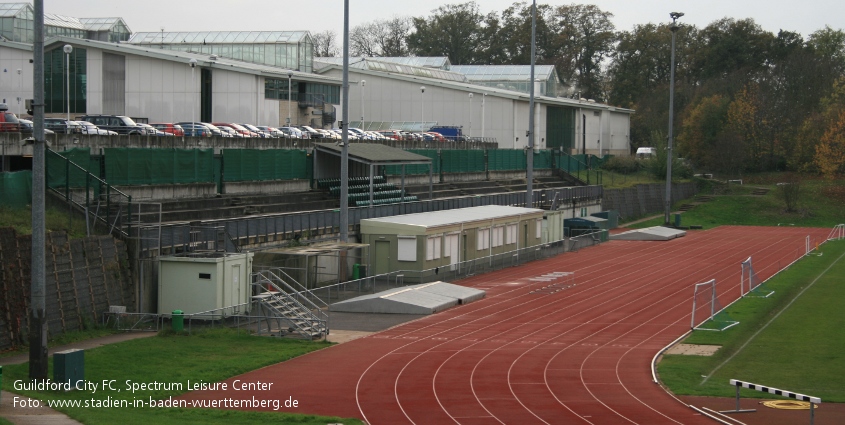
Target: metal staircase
(289, 308)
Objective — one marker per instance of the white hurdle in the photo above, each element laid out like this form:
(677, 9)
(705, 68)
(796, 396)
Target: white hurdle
(740, 384)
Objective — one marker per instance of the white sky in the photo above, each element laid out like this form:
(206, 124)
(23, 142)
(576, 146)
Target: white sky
(804, 16)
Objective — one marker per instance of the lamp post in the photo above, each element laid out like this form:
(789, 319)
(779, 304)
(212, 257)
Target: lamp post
(363, 84)
(529, 160)
(470, 115)
(290, 77)
(193, 103)
(422, 107)
(668, 201)
(20, 93)
(68, 49)
(483, 97)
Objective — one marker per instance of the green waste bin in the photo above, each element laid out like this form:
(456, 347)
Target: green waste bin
(356, 271)
(178, 320)
(677, 220)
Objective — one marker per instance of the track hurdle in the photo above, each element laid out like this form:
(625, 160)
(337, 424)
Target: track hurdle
(740, 384)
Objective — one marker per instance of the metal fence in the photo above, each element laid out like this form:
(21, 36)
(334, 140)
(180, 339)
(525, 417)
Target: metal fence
(325, 224)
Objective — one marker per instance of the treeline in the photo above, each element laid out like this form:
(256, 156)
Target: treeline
(746, 99)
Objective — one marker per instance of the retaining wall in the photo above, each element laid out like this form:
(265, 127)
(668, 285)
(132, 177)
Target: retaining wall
(644, 199)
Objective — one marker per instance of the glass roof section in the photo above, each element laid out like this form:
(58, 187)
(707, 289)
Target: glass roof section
(441, 62)
(99, 24)
(504, 72)
(375, 64)
(220, 37)
(51, 19)
(8, 10)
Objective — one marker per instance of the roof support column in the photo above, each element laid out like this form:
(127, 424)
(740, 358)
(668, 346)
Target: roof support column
(371, 185)
(403, 184)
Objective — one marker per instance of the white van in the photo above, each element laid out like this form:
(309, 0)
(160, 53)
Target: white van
(646, 152)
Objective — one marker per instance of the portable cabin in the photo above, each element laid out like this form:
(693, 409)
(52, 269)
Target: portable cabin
(433, 240)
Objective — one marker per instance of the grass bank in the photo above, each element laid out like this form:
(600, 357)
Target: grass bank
(800, 350)
(208, 356)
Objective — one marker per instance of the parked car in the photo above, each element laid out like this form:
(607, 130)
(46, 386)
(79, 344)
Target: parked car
(241, 130)
(152, 131)
(195, 129)
(215, 131)
(291, 132)
(391, 134)
(272, 131)
(257, 131)
(174, 129)
(231, 132)
(88, 128)
(118, 123)
(8, 120)
(62, 126)
(27, 127)
(437, 136)
(312, 134)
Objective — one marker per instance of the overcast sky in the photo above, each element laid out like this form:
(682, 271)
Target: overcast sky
(804, 16)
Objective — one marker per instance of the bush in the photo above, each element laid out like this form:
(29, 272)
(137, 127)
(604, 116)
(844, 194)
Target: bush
(622, 165)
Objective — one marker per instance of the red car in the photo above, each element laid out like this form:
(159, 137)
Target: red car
(174, 129)
(8, 121)
(243, 131)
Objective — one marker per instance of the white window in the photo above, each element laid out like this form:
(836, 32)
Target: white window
(432, 250)
(498, 236)
(511, 234)
(483, 239)
(539, 228)
(407, 248)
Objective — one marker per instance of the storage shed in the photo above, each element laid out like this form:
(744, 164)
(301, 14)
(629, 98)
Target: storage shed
(425, 241)
(201, 282)
(581, 225)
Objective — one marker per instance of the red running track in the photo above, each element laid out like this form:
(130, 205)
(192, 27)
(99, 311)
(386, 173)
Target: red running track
(522, 356)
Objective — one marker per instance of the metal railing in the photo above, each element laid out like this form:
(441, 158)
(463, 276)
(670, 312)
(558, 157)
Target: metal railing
(273, 280)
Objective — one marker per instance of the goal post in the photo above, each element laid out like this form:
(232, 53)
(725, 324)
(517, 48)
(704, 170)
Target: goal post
(752, 284)
(707, 311)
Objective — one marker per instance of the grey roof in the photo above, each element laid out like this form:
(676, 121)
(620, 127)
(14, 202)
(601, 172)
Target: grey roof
(375, 153)
(504, 72)
(393, 67)
(456, 216)
(441, 62)
(54, 20)
(101, 24)
(185, 57)
(219, 37)
(8, 10)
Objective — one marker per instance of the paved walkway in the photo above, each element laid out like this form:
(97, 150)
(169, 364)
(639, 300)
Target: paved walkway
(22, 414)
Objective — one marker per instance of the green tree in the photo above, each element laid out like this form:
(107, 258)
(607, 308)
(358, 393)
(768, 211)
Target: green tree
(452, 30)
(702, 136)
(830, 152)
(586, 35)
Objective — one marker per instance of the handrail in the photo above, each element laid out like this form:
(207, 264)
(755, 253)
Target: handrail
(109, 189)
(293, 291)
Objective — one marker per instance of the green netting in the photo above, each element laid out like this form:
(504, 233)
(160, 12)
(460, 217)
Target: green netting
(462, 161)
(273, 164)
(16, 189)
(506, 159)
(134, 166)
(573, 163)
(396, 170)
(60, 173)
(543, 159)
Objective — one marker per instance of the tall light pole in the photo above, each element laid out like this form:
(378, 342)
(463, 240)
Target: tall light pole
(193, 103)
(363, 84)
(483, 97)
(290, 94)
(20, 92)
(529, 175)
(68, 49)
(470, 115)
(668, 201)
(422, 107)
(344, 131)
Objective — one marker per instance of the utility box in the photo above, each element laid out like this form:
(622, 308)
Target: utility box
(69, 367)
(218, 283)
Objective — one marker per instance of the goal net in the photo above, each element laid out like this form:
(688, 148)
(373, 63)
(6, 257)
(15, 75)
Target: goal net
(707, 312)
(751, 283)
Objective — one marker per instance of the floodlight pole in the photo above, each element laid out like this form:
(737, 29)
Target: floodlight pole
(290, 94)
(529, 177)
(344, 132)
(422, 107)
(483, 97)
(193, 64)
(470, 115)
(68, 49)
(668, 200)
(38, 310)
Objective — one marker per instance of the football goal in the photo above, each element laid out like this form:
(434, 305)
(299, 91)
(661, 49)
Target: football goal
(707, 312)
(751, 284)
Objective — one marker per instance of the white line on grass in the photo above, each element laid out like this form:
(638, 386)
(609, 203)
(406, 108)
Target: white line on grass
(772, 320)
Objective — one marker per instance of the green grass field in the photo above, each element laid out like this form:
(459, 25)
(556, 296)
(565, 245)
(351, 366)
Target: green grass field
(801, 350)
(820, 206)
(208, 356)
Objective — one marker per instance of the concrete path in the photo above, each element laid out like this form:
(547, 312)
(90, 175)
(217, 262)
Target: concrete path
(22, 412)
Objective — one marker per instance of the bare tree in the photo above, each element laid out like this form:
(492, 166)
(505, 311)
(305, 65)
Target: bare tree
(381, 37)
(325, 44)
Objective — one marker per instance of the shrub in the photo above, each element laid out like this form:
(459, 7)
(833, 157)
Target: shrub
(622, 165)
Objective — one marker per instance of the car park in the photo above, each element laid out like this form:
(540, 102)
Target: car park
(239, 129)
(118, 123)
(88, 128)
(272, 131)
(174, 129)
(295, 132)
(257, 131)
(214, 130)
(231, 132)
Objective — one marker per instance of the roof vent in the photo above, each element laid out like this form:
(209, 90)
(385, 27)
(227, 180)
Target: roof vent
(213, 57)
(591, 101)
